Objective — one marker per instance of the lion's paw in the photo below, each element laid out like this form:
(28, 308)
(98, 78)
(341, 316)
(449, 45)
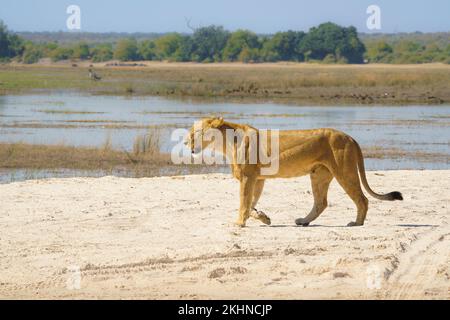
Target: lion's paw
(240, 224)
(265, 219)
(353, 224)
(261, 216)
(301, 222)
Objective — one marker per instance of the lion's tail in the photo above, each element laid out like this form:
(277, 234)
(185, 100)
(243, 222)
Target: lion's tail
(391, 196)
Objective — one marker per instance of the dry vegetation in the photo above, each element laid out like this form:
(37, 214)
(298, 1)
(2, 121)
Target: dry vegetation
(290, 82)
(22, 155)
(145, 157)
(145, 160)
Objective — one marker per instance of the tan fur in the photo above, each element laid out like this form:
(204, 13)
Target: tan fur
(324, 154)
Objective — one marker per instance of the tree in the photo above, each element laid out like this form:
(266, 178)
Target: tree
(184, 50)
(409, 46)
(284, 46)
(208, 43)
(250, 55)
(329, 38)
(409, 51)
(11, 45)
(147, 50)
(126, 50)
(167, 45)
(4, 41)
(239, 41)
(328, 43)
(432, 53)
(380, 51)
(81, 51)
(102, 53)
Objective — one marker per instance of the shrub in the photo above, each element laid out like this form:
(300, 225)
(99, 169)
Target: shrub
(32, 54)
(61, 54)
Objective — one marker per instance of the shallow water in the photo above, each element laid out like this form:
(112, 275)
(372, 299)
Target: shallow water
(70, 118)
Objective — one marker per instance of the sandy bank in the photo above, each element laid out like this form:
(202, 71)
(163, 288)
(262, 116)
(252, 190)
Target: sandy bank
(173, 237)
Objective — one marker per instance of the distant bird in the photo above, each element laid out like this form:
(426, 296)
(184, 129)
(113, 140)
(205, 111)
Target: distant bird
(94, 76)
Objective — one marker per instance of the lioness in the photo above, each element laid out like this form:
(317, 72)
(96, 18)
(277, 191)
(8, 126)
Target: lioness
(324, 154)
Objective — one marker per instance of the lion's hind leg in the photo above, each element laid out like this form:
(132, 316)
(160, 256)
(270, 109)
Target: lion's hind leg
(256, 214)
(320, 181)
(352, 187)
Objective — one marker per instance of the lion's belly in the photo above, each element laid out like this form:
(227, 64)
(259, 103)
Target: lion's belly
(290, 169)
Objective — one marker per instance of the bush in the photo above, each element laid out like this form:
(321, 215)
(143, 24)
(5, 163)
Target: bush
(330, 58)
(61, 54)
(32, 54)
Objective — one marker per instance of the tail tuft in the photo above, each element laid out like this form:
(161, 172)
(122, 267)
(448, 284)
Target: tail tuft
(395, 195)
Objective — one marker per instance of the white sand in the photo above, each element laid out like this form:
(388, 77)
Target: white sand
(174, 238)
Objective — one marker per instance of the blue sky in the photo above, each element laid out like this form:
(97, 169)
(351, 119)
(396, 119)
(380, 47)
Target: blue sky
(262, 16)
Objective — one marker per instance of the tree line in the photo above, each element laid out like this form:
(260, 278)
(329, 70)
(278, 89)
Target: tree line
(327, 43)
(408, 47)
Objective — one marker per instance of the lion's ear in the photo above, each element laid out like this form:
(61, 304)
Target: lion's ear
(217, 122)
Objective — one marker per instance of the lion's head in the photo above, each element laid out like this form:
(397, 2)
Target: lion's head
(194, 139)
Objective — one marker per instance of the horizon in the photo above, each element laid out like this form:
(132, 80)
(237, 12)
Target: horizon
(191, 33)
(260, 17)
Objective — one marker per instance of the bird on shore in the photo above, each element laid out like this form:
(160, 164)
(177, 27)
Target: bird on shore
(94, 76)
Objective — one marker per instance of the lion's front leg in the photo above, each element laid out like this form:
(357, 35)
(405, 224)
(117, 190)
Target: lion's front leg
(247, 186)
(255, 213)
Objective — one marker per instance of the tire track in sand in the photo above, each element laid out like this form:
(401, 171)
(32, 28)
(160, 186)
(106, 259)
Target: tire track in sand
(425, 265)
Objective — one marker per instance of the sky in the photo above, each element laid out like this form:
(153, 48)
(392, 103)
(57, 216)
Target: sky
(261, 16)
